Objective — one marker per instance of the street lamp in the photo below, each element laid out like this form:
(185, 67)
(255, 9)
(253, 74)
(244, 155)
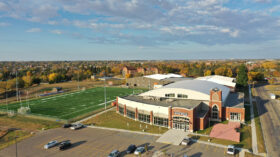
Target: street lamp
(16, 145)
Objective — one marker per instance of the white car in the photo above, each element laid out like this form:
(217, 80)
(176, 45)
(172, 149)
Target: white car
(186, 141)
(231, 149)
(76, 126)
(139, 150)
(50, 144)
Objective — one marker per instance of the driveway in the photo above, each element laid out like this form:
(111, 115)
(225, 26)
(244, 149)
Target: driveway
(99, 143)
(269, 112)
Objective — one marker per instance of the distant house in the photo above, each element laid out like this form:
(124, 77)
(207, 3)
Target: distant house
(129, 70)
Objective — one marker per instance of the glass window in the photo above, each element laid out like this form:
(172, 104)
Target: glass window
(161, 121)
(170, 95)
(144, 118)
(215, 108)
(121, 110)
(182, 96)
(215, 115)
(130, 114)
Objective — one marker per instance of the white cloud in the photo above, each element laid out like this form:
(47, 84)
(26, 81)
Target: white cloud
(33, 30)
(4, 24)
(56, 31)
(3, 6)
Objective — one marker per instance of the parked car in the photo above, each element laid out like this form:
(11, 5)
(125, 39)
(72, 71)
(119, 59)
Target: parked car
(64, 145)
(114, 153)
(66, 125)
(76, 126)
(186, 141)
(139, 150)
(231, 149)
(131, 148)
(50, 144)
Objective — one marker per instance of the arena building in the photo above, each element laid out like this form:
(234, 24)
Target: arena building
(187, 105)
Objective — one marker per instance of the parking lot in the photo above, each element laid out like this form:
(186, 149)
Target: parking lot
(88, 142)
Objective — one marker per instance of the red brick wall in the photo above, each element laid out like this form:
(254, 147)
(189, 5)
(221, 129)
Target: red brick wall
(136, 113)
(124, 108)
(170, 117)
(237, 110)
(151, 118)
(216, 102)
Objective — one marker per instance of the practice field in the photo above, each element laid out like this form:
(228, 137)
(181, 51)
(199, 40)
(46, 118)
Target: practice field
(71, 105)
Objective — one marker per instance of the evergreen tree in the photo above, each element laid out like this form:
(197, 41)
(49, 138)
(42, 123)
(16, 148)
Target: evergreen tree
(242, 77)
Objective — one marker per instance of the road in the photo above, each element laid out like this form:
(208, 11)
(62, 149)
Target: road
(269, 112)
(99, 143)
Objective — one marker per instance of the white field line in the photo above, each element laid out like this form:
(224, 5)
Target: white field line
(52, 97)
(86, 108)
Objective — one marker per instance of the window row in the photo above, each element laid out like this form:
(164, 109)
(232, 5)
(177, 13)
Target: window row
(144, 118)
(172, 95)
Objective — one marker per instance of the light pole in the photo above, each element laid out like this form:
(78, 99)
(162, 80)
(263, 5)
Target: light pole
(16, 86)
(16, 146)
(105, 92)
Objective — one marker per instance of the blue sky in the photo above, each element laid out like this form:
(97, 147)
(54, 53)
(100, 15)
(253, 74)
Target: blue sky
(139, 29)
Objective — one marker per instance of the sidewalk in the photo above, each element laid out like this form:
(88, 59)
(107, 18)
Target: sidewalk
(253, 126)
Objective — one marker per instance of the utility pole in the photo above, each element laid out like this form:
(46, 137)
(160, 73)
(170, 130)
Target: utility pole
(16, 86)
(16, 146)
(105, 93)
(78, 79)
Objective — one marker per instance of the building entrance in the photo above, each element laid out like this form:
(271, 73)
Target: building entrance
(235, 116)
(180, 123)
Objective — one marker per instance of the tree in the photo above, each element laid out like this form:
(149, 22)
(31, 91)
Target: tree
(242, 76)
(229, 72)
(220, 71)
(52, 77)
(207, 73)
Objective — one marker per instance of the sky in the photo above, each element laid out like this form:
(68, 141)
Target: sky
(35, 30)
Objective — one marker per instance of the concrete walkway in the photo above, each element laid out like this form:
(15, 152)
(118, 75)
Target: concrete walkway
(122, 130)
(173, 136)
(253, 126)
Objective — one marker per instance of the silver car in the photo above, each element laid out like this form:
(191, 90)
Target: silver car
(139, 150)
(51, 144)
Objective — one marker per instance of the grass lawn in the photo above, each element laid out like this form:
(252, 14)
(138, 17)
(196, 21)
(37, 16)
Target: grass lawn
(71, 105)
(260, 140)
(245, 139)
(251, 155)
(111, 119)
(24, 126)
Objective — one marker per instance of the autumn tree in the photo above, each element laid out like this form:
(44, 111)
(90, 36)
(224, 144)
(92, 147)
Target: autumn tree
(220, 71)
(52, 77)
(207, 73)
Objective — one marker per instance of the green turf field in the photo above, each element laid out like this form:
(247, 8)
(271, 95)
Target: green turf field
(71, 105)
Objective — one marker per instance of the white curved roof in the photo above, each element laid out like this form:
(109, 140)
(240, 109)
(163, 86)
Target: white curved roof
(195, 89)
(162, 76)
(223, 80)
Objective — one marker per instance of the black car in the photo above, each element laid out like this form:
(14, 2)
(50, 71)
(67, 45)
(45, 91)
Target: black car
(131, 149)
(64, 145)
(66, 125)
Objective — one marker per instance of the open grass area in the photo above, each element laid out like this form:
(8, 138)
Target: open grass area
(111, 119)
(275, 89)
(260, 140)
(245, 139)
(71, 105)
(251, 155)
(21, 127)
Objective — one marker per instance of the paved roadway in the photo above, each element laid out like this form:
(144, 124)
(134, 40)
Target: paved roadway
(269, 111)
(91, 142)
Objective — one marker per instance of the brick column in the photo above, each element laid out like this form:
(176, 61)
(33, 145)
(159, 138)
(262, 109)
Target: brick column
(136, 113)
(151, 118)
(117, 105)
(169, 117)
(124, 110)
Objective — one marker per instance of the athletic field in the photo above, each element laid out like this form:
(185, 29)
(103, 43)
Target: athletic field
(71, 105)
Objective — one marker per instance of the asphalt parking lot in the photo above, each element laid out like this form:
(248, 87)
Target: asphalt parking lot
(89, 142)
